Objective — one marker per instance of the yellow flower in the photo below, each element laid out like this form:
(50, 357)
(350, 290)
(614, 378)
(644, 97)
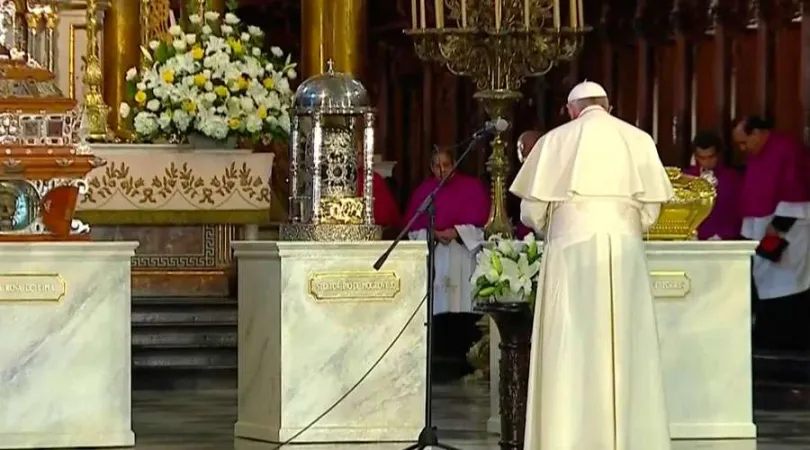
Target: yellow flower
(236, 46)
(197, 53)
(234, 123)
(262, 112)
(199, 80)
(168, 76)
(269, 83)
(140, 96)
(242, 83)
(189, 106)
(221, 91)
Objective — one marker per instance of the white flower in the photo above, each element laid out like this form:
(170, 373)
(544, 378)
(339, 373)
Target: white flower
(182, 119)
(154, 45)
(124, 110)
(292, 74)
(141, 86)
(211, 15)
(526, 275)
(269, 67)
(277, 52)
(164, 121)
(245, 37)
(153, 105)
(484, 267)
(175, 30)
(255, 31)
(506, 247)
(179, 45)
(256, 51)
(253, 123)
(131, 74)
(206, 29)
(145, 123)
(191, 38)
(194, 18)
(231, 19)
(226, 29)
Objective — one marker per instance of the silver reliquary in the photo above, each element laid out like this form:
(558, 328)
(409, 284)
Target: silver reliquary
(331, 162)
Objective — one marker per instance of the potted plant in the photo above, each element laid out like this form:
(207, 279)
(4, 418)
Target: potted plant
(210, 84)
(505, 278)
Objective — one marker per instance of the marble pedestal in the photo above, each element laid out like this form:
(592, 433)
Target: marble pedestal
(65, 345)
(314, 317)
(703, 309)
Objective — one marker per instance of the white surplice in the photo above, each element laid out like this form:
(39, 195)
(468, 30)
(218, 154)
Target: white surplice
(595, 376)
(455, 264)
(791, 275)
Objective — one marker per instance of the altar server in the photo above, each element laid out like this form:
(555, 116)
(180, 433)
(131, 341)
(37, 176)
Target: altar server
(775, 206)
(724, 222)
(462, 210)
(595, 184)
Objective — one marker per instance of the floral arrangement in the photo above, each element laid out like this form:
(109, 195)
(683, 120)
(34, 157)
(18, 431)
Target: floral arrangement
(212, 78)
(506, 270)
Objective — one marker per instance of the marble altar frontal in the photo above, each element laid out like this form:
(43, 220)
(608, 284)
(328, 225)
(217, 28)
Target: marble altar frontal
(314, 317)
(65, 345)
(703, 309)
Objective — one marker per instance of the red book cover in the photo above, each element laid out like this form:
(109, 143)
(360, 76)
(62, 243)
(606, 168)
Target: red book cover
(57, 209)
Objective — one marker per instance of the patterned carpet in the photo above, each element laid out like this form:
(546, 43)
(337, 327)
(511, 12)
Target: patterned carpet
(203, 420)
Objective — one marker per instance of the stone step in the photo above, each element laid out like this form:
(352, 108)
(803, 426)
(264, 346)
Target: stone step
(782, 367)
(185, 335)
(183, 312)
(178, 357)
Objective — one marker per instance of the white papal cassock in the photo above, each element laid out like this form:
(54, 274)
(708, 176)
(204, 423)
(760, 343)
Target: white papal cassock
(595, 383)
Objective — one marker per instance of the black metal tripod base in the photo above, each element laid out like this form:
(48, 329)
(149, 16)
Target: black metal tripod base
(428, 438)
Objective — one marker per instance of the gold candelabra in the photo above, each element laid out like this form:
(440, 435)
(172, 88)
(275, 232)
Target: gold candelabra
(497, 43)
(95, 110)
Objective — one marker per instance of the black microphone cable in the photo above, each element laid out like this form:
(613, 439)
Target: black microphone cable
(357, 384)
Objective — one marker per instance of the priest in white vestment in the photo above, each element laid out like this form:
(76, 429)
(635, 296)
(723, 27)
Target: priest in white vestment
(595, 184)
(462, 210)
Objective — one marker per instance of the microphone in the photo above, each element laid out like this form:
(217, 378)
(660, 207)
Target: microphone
(491, 127)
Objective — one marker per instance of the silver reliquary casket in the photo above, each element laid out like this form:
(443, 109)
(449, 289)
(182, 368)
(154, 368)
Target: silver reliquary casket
(331, 167)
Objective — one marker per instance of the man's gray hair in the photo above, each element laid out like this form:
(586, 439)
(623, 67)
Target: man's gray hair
(591, 101)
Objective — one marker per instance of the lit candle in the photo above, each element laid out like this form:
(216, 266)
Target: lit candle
(422, 14)
(581, 12)
(413, 14)
(556, 13)
(439, 13)
(572, 9)
(527, 15)
(497, 14)
(463, 13)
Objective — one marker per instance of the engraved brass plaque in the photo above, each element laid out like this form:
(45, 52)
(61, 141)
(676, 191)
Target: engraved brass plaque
(30, 287)
(675, 284)
(354, 286)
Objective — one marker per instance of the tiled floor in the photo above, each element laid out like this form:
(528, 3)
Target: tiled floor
(203, 420)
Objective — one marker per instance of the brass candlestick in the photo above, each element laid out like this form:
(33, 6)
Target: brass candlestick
(498, 44)
(96, 111)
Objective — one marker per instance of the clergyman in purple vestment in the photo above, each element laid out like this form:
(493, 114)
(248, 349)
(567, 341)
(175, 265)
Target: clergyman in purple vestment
(725, 221)
(462, 209)
(775, 206)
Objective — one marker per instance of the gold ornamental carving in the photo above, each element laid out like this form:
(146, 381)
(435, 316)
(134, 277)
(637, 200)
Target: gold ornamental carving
(681, 216)
(95, 110)
(177, 179)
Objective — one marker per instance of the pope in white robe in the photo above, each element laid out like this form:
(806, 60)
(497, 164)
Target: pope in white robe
(595, 185)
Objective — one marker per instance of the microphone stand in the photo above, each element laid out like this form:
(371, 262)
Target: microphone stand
(428, 437)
